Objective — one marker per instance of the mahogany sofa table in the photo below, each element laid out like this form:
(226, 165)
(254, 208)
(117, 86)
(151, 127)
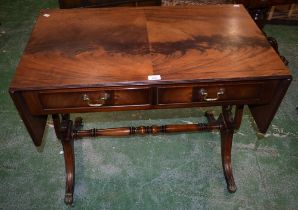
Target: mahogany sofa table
(93, 60)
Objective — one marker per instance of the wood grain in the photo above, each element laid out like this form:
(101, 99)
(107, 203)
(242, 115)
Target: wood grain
(113, 50)
(86, 60)
(35, 124)
(120, 46)
(209, 43)
(85, 47)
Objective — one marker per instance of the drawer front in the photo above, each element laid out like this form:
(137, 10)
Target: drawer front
(138, 98)
(215, 93)
(86, 100)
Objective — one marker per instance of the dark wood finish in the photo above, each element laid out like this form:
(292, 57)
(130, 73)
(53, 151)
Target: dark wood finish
(238, 116)
(226, 123)
(226, 133)
(142, 130)
(259, 111)
(183, 45)
(35, 124)
(258, 10)
(57, 125)
(92, 60)
(68, 149)
(66, 4)
(72, 100)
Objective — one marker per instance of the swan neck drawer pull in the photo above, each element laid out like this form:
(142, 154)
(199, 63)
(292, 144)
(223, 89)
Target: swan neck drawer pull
(203, 92)
(102, 99)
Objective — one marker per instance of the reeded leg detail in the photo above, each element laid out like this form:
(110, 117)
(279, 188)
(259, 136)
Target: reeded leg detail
(67, 143)
(227, 132)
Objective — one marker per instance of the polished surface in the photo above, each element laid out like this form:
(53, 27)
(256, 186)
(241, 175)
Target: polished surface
(114, 52)
(74, 48)
(254, 157)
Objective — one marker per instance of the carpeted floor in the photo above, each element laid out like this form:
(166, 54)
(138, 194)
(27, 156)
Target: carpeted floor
(180, 171)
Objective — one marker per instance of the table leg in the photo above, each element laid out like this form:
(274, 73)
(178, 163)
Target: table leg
(227, 131)
(238, 116)
(67, 143)
(226, 123)
(57, 124)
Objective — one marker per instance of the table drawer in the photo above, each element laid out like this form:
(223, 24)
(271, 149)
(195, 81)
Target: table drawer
(244, 93)
(86, 99)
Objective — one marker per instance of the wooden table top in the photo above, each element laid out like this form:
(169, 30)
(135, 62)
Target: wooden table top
(121, 46)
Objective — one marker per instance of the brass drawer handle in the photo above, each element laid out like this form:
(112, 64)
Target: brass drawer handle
(101, 99)
(204, 93)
